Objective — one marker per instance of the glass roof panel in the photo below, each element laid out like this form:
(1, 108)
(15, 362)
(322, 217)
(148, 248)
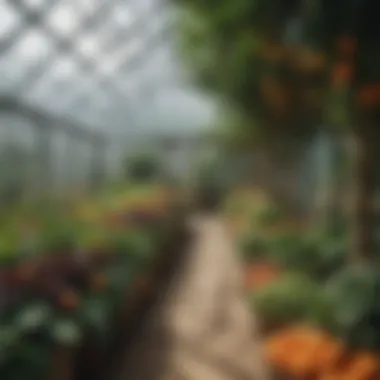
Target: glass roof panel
(35, 4)
(80, 55)
(65, 18)
(10, 20)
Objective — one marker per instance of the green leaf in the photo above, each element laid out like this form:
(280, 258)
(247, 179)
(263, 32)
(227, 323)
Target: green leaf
(353, 294)
(292, 298)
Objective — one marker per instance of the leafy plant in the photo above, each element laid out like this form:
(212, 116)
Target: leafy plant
(292, 298)
(142, 168)
(355, 295)
(318, 253)
(252, 247)
(70, 290)
(9, 247)
(58, 235)
(268, 214)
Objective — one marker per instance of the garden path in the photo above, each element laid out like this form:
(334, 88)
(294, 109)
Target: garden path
(202, 329)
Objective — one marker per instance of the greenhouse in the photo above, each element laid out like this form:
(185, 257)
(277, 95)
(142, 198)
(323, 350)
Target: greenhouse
(189, 190)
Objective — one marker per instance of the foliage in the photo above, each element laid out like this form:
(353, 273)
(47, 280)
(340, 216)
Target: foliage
(292, 298)
(318, 257)
(292, 68)
(268, 214)
(142, 168)
(319, 252)
(347, 306)
(64, 276)
(252, 247)
(354, 294)
(235, 50)
(211, 180)
(244, 202)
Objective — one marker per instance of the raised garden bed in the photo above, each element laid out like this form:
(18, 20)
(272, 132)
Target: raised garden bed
(318, 315)
(138, 300)
(73, 311)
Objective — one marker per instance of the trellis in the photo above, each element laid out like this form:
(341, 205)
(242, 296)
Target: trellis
(151, 26)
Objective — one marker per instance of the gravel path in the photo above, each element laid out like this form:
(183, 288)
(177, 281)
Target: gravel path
(202, 329)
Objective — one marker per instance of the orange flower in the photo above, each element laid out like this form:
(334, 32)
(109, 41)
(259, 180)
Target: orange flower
(363, 366)
(293, 349)
(360, 366)
(333, 376)
(305, 352)
(329, 353)
(278, 347)
(309, 361)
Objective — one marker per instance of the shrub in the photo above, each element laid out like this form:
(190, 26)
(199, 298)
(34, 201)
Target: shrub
(142, 168)
(268, 214)
(292, 298)
(317, 253)
(355, 295)
(252, 247)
